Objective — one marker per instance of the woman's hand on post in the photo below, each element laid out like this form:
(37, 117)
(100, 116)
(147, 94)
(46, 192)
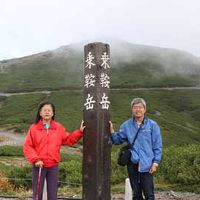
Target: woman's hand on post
(82, 127)
(39, 163)
(111, 127)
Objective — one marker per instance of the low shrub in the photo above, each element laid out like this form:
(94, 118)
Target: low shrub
(181, 165)
(5, 186)
(179, 169)
(7, 150)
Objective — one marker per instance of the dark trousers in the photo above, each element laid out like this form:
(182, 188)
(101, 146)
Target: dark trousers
(51, 175)
(141, 183)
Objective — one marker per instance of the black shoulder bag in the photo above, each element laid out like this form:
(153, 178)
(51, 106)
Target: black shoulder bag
(125, 152)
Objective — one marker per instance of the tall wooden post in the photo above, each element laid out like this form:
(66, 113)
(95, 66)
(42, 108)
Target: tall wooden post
(96, 140)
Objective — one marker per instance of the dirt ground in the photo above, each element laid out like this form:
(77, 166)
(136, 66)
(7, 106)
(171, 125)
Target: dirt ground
(11, 138)
(171, 195)
(158, 196)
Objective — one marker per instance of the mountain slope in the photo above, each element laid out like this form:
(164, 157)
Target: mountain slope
(131, 66)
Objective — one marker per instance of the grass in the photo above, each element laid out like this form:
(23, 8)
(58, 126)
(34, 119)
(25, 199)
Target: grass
(132, 75)
(23, 74)
(177, 111)
(10, 151)
(179, 178)
(132, 66)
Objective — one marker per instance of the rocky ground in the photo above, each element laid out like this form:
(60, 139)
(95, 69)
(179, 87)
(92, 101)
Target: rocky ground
(159, 196)
(171, 195)
(167, 195)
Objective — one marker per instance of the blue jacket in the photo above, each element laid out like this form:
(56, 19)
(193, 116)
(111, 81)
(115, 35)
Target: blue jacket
(148, 145)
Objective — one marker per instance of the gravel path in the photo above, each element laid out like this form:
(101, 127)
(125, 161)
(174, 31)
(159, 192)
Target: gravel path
(171, 195)
(11, 138)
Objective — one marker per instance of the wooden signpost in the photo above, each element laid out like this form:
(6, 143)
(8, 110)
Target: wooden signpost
(96, 140)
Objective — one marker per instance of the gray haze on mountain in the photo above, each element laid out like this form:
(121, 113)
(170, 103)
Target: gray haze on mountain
(171, 60)
(121, 53)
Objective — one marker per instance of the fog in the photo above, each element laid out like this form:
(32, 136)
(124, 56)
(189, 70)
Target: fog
(33, 26)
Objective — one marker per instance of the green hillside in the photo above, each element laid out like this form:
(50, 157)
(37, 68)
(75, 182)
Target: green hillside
(176, 111)
(169, 80)
(131, 66)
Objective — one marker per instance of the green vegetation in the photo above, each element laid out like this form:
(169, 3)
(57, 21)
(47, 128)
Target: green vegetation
(17, 111)
(177, 111)
(7, 150)
(179, 170)
(181, 166)
(132, 75)
(131, 66)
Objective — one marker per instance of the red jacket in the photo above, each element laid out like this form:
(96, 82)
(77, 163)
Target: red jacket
(44, 144)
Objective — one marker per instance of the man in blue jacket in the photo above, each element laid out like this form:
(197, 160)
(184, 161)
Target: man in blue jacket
(145, 153)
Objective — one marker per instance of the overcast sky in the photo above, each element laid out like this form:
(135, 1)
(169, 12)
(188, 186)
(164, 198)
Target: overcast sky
(32, 26)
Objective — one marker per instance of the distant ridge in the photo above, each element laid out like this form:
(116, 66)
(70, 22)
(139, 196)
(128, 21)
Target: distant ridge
(132, 66)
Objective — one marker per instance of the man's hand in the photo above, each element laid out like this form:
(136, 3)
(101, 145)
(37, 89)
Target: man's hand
(153, 168)
(111, 127)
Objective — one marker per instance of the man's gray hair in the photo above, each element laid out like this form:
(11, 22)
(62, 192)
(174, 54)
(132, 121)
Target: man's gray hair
(138, 100)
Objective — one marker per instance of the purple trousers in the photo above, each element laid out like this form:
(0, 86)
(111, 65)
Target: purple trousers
(51, 176)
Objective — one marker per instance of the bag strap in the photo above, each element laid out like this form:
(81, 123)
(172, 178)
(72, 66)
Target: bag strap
(137, 133)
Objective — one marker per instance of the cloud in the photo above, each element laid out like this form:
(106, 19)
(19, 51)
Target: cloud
(33, 26)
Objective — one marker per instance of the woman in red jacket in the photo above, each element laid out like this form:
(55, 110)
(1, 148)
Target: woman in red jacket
(42, 149)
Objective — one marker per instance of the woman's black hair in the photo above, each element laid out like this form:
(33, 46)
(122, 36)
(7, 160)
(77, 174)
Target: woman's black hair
(38, 117)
